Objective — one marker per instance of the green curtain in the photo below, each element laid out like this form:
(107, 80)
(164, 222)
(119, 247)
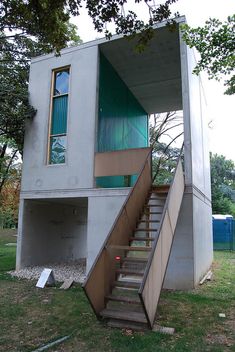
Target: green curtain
(59, 115)
(123, 123)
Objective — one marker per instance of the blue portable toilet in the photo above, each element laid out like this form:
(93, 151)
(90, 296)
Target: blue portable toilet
(223, 228)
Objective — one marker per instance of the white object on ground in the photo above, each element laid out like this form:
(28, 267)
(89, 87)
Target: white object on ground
(45, 347)
(208, 275)
(67, 284)
(163, 329)
(46, 277)
(222, 315)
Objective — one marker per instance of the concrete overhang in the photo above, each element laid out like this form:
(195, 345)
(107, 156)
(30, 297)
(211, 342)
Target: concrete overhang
(153, 76)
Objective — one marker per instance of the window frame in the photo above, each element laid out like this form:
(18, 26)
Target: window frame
(52, 97)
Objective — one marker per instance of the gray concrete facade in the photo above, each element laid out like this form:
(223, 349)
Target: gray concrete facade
(62, 215)
(192, 251)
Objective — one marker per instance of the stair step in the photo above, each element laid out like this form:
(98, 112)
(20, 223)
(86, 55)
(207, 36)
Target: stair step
(146, 230)
(153, 205)
(159, 192)
(127, 284)
(142, 239)
(133, 248)
(122, 324)
(153, 213)
(135, 260)
(160, 187)
(129, 271)
(125, 299)
(149, 221)
(124, 315)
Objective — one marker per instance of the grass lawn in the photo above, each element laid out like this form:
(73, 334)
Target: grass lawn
(31, 317)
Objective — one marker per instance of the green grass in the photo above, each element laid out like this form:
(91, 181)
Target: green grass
(7, 253)
(31, 317)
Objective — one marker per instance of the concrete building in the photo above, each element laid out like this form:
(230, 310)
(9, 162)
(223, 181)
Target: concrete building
(95, 99)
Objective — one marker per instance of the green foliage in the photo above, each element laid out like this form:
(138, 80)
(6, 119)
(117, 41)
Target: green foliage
(164, 163)
(27, 29)
(127, 23)
(216, 45)
(222, 185)
(47, 21)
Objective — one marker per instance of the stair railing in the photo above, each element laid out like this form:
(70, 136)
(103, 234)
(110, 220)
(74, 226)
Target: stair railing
(154, 275)
(101, 276)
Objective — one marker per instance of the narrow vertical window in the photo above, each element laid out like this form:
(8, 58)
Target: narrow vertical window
(59, 112)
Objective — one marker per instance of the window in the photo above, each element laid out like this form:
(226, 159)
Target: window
(58, 118)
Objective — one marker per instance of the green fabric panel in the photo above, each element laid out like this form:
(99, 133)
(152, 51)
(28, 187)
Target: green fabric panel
(123, 123)
(115, 181)
(59, 115)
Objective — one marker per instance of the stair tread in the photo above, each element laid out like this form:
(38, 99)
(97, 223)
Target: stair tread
(124, 315)
(134, 259)
(153, 212)
(126, 299)
(142, 239)
(129, 271)
(161, 186)
(149, 220)
(127, 284)
(133, 248)
(160, 191)
(146, 229)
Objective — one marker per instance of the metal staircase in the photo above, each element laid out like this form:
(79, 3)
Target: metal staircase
(125, 282)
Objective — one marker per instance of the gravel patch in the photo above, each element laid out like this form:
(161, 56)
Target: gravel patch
(62, 271)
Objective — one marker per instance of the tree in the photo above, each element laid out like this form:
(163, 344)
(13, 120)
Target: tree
(48, 20)
(222, 185)
(25, 31)
(9, 197)
(216, 44)
(167, 125)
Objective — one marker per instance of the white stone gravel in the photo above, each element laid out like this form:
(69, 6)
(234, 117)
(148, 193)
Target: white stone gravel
(62, 271)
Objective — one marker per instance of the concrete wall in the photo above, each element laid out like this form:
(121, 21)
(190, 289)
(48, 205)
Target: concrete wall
(78, 171)
(192, 250)
(51, 231)
(180, 271)
(102, 211)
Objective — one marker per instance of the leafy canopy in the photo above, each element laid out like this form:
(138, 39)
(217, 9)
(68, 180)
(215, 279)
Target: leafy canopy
(216, 45)
(222, 185)
(27, 29)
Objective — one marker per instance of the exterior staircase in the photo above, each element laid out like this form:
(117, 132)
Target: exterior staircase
(125, 281)
(123, 306)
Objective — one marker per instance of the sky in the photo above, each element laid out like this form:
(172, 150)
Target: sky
(221, 108)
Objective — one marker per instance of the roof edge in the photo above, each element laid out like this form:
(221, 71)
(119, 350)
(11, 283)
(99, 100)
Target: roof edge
(68, 50)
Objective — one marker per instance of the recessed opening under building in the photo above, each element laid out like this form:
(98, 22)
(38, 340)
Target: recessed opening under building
(55, 230)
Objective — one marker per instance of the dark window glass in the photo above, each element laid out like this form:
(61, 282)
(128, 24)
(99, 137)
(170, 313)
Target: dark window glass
(61, 84)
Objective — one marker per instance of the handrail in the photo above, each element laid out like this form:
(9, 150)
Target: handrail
(155, 270)
(102, 273)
